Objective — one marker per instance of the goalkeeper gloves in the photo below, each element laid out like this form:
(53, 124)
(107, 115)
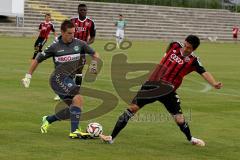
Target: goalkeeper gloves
(93, 67)
(26, 80)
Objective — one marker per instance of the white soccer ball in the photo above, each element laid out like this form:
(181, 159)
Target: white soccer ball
(94, 129)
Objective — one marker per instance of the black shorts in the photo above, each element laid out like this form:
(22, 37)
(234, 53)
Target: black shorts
(38, 46)
(40, 42)
(170, 100)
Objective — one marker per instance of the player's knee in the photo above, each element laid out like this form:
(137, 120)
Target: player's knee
(77, 101)
(133, 108)
(179, 118)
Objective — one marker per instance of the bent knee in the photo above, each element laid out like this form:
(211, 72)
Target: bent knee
(78, 101)
(179, 118)
(133, 108)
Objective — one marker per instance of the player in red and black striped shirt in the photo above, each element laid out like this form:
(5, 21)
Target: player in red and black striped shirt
(44, 30)
(84, 26)
(178, 61)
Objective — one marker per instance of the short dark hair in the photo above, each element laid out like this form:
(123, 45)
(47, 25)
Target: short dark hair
(82, 5)
(120, 15)
(48, 14)
(193, 40)
(66, 24)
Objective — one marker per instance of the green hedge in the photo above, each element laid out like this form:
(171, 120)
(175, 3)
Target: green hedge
(177, 3)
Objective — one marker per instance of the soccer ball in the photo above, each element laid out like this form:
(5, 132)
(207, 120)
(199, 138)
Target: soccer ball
(94, 129)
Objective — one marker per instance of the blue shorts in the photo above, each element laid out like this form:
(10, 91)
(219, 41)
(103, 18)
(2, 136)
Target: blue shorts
(64, 86)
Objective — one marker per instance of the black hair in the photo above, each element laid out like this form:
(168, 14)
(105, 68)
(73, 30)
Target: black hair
(47, 14)
(193, 40)
(82, 5)
(120, 15)
(66, 24)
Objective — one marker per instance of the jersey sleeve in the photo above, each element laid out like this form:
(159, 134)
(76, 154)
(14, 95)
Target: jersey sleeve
(173, 44)
(47, 53)
(93, 29)
(52, 28)
(198, 66)
(40, 26)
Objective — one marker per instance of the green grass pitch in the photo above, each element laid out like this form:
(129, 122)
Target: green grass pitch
(213, 114)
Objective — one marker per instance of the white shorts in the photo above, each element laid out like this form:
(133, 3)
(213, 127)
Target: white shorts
(120, 33)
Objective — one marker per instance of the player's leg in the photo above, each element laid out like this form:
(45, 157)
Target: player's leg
(36, 47)
(172, 104)
(137, 103)
(62, 114)
(121, 35)
(118, 38)
(75, 114)
(121, 123)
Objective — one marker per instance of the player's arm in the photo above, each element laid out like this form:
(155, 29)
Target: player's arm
(125, 24)
(95, 58)
(39, 58)
(54, 32)
(206, 75)
(211, 80)
(92, 33)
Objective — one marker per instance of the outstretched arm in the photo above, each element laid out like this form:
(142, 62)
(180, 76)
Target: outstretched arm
(211, 80)
(27, 79)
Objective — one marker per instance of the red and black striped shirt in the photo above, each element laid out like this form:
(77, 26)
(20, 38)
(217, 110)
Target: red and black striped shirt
(45, 28)
(84, 28)
(174, 66)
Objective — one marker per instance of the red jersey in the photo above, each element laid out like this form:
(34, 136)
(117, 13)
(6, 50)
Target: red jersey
(174, 66)
(235, 30)
(84, 29)
(45, 28)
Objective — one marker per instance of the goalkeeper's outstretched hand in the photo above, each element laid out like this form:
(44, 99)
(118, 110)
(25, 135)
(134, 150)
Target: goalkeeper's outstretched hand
(26, 80)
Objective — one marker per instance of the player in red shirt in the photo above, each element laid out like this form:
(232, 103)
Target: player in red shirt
(44, 30)
(235, 31)
(178, 61)
(84, 26)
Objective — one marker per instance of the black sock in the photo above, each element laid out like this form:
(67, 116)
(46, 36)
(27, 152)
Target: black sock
(52, 118)
(122, 122)
(75, 113)
(186, 130)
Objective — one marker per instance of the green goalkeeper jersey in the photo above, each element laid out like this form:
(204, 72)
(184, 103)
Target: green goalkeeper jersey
(121, 24)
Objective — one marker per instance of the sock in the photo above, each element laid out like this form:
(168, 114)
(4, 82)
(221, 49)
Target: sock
(186, 130)
(52, 118)
(122, 122)
(75, 113)
(63, 114)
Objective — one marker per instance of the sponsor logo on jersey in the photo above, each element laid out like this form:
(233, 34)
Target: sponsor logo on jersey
(174, 57)
(81, 29)
(68, 58)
